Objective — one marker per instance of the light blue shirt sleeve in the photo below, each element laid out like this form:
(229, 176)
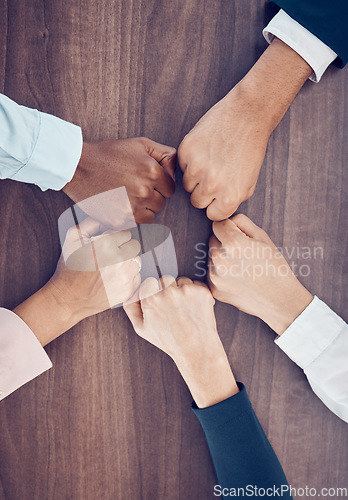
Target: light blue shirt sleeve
(36, 147)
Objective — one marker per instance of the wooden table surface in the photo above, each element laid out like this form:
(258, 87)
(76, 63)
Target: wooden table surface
(112, 419)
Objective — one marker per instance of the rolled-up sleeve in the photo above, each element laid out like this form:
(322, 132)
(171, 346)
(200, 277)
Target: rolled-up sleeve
(36, 147)
(317, 341)
(22, 357)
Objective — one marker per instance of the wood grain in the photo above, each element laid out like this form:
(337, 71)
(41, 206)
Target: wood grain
(112, 419)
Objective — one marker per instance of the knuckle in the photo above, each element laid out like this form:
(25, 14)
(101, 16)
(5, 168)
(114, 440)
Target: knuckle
(194, 168)
(144, 191)
(227, 200)
(211, 183)
(209, 187)
(152, 169)
(170, 293)
(186, 289)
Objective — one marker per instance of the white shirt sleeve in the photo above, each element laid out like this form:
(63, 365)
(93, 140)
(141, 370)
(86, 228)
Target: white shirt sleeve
(315, 52)
(22, 357)
(318, 342)
(36, 147)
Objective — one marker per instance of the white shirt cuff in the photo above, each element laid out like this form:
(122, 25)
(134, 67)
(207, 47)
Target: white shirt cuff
(56, 154)
(311, 333)
(318, 55)
(22, 357)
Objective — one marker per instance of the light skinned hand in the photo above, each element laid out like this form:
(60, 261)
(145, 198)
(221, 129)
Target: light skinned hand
(72, 295)
(144, 167)
(248, 271)
(221, 156)
(177, 316)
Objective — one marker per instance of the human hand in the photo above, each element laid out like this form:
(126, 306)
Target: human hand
(144, 167)
(177, 316)
(89, 279)
(248, 271)
(221, 156)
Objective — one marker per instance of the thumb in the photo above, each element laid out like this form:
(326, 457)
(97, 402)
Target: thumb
(164, 155)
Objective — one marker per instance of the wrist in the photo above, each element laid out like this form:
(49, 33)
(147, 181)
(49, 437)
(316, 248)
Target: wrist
(260, 117)
(292, 303)
(73, 189)
(273, 82)
(46, 315)
(208, 376)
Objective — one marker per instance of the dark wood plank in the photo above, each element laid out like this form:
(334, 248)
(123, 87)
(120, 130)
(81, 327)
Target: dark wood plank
(112, 419)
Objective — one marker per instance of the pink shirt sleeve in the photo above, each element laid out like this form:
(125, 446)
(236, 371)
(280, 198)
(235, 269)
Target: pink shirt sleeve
(22, 357)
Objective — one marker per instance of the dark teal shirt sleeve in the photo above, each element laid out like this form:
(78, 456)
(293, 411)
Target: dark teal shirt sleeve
(240, 450)
(326, 19)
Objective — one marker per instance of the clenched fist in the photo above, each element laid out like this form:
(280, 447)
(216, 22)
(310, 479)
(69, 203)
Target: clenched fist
(144, 167)
(222, 155)
(248, 271)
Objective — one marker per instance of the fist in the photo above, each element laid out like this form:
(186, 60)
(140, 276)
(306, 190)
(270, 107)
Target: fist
(144, 167)
(222, 155)
(177, 316)
(248, 271)
(95, 271)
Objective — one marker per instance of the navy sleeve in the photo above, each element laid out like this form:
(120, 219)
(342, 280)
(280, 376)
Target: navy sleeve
(241, 453)
(326, 19)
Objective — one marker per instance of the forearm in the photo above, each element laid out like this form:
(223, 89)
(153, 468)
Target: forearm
(45, 315)
(289, 301)
(273, 82)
